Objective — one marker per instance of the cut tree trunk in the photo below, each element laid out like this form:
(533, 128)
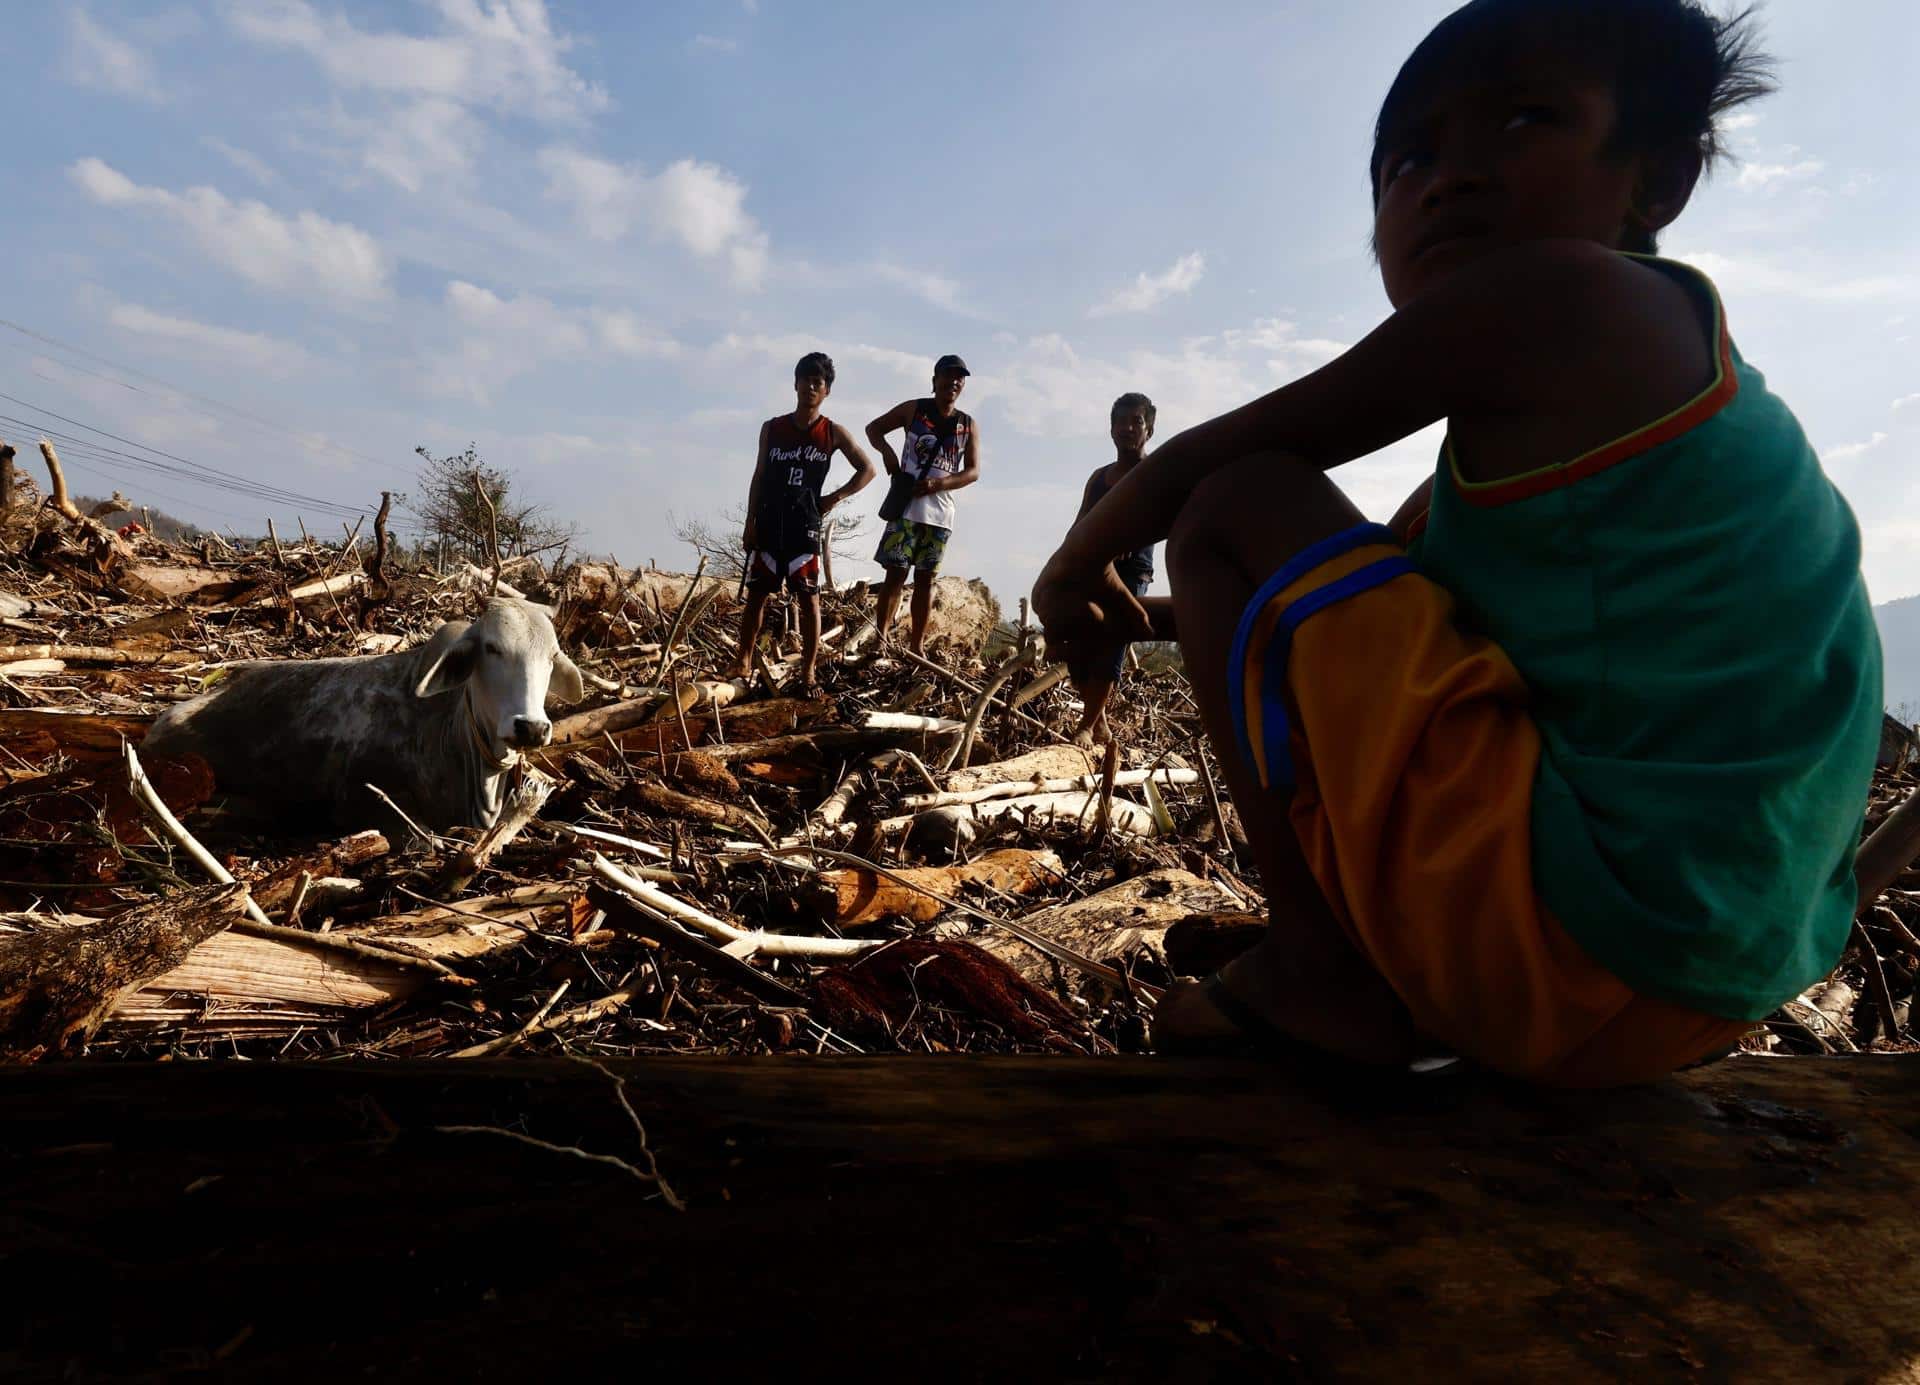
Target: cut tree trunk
(233, 986)
(1120, 1219)
(61, 973)
(1111, 924)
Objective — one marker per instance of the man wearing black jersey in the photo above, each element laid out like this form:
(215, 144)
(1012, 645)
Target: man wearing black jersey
(785, 509)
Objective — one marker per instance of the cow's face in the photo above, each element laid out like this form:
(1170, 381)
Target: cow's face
(508, 661)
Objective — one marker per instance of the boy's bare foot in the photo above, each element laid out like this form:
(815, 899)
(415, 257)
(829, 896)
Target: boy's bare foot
(1352, 1015)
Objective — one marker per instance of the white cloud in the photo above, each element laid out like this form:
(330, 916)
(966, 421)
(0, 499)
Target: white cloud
(1150, 290)
(1846, 452)
(502, 54)
(1761, 175)
(1904, 400)
(257, 350)
(250, 164)
(496, 339)
(418, 140)
(1801, 279)
(1740, 120)
(302, 254)
(936, 289)
(713, 43)
(700, 205)
(108, 62)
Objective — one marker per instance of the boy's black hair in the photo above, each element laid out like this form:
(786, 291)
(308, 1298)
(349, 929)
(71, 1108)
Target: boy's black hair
(1675, 66)
(815, 363)
(1133, 401)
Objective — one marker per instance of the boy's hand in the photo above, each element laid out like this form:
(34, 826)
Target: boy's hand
(1080, 609)
(929, 485)
(828, 501)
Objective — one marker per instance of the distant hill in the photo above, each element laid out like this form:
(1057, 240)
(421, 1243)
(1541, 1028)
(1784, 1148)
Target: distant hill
(164, 525)
(1899, 623)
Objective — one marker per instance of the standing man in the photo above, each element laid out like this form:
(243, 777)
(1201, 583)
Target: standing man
(785, 507)
(941, 455)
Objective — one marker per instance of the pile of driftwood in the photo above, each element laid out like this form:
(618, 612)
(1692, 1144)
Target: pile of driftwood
(912, 859)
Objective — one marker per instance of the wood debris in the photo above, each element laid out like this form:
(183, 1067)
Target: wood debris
(911, 859)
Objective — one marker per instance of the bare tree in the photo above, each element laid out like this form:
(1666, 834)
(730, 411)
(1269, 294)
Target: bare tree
(455, 495)
(718, 541)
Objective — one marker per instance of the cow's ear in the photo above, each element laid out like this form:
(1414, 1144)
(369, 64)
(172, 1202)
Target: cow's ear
(567, 684)
(451, 666)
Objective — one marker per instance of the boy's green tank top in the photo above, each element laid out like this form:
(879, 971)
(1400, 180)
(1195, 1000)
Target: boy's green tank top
(1687, 610)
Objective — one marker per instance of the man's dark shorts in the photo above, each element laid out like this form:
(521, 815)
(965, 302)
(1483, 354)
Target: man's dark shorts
(798, 568)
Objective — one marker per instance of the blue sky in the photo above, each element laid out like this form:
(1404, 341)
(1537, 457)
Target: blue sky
(292, 239)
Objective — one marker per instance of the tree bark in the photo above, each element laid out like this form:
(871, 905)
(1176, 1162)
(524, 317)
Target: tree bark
(1117, 1219)
(60, 974)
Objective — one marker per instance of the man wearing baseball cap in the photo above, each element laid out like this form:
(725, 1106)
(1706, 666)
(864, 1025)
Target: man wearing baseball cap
(940, 456)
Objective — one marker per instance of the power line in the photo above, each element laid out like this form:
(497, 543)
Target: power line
(185, 468)
(304, 439)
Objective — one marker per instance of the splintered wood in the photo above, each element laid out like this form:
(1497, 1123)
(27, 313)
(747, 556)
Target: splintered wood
(910, 858)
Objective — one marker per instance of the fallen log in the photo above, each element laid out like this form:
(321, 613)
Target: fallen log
(1113, 923)
(60, 974)
(658, 798)
(615, 716)
(83, 735)
(251, 986)
(956, 824)
(1889, 850)
(856, 896)
(1035, 766)
(94, 654)
(1084, 783)
(1115, 1219)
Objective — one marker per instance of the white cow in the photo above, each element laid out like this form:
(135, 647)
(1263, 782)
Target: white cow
(435, 727)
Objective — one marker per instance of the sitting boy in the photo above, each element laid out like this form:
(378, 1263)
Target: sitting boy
(1572, 781)
(785, 508)
(1095, 671)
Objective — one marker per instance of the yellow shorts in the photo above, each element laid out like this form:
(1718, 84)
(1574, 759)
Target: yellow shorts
(1410, 754)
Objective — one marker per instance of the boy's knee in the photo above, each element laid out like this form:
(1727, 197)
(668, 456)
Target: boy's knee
(1218, 502)
(1263, 507)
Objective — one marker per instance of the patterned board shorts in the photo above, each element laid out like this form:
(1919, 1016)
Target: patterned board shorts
(909, 543)
(767, 569)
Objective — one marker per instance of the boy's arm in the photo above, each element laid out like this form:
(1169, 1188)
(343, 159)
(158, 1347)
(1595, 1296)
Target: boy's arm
(1536, 330)
(899, 416)
(863, 469)
(969, 469)
(749, 537)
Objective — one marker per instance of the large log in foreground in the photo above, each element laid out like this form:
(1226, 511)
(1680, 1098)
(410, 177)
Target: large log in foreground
(1114, 1219)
